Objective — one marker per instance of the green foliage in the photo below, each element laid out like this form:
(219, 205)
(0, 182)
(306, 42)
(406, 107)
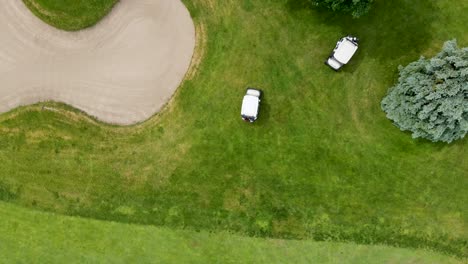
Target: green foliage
(431, 97)
(356, 7)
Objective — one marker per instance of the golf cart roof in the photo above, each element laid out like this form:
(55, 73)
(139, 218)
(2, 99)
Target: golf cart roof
(250, 106)
(345, 51)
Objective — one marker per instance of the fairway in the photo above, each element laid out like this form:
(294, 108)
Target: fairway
(45, 238)
(322, 162)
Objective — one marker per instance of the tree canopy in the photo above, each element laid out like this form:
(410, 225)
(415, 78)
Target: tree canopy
(431, 96)
(355, 7)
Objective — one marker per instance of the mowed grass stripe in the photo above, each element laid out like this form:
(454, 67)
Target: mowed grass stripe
(36, 237)
(321, 163)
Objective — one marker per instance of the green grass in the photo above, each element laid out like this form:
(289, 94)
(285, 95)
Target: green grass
(47, 238)
(70, 15)
(322, 162)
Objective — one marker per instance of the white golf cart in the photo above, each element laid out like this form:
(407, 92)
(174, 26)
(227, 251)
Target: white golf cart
(343, 52)
(251, 104)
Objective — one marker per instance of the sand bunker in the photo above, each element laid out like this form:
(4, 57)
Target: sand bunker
(121, 71)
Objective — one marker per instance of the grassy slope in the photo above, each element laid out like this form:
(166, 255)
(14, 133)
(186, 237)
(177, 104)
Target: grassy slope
(70, 14)
(48, 238)
(322, 162)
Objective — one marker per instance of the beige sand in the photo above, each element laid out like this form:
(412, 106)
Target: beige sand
(121, 71)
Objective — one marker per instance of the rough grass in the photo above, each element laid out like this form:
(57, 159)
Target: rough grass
(70, 15)
(29, 236)
(321, 163)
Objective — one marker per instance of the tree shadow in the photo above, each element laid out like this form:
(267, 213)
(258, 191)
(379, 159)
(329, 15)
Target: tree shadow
(390, 30)
(295, 5)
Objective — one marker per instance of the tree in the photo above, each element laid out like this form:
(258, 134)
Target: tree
(355, 7)
(431, 96)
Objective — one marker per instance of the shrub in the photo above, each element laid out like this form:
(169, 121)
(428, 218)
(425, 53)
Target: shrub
(355, 7)
(431, 96)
